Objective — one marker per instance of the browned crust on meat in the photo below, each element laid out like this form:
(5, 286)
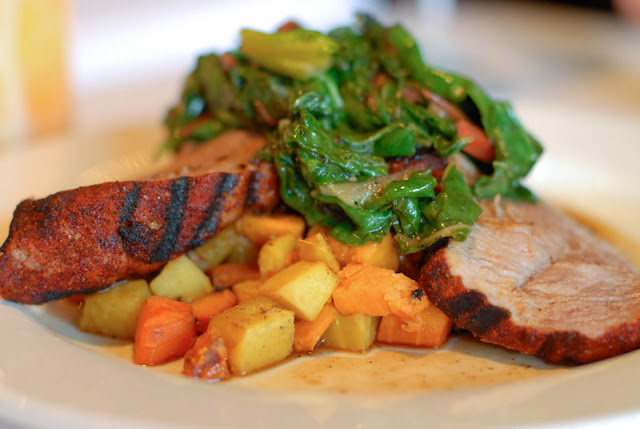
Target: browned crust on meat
(87, 238)
(470, 310)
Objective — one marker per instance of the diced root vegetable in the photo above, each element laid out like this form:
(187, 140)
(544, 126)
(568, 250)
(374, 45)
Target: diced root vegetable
(247, 290)
(206, 306)
(380, 254)
(208, 358)
(114, 312)
(166, 329)
(277, 254)
(257, 334)
(260, 229)
(304, 287)
(316, 248)
(358, 292)
(226, 275)
(217, 249)
(378, 291)
(354, 333)
(309, 333)
(243, 251)
(433, 330)
(181, 280)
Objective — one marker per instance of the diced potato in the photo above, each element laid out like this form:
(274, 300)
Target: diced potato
(277, 254)
(114, 312)
(354, 333)
(316, 248)
(382, 254)
(257, 334)
(217, 249)
(304, 287)
(243, 251)
(247, 290)
(181, 280)
(260, 229)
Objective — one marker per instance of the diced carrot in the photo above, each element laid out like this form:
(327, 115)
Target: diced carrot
(377, 291)
(432, 330)
(226, 275)
(208, 358)
(207, 306)
(166, 329)
(480, 147)
(358, 292)
(308, 333)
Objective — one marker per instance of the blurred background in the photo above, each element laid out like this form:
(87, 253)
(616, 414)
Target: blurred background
(78, 67)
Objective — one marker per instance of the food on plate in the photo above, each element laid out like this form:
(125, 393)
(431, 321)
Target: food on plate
(85, 239)
(327, 189)
(114, 312)
(531, 279)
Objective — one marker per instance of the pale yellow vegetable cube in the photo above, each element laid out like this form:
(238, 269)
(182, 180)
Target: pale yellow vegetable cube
(316, 248)
(247, 290)
(304, 287)
(257, 334)
(181, 280)
(354, 333)
(217, 249)
(277, 254)
(114, 312)
(260, 229)
(243, 251)
(228, 245)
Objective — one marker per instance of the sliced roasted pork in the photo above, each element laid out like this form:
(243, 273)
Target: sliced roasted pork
(531, 279)
(85, 239)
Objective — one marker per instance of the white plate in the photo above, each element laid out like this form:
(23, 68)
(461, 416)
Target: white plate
(51, 375)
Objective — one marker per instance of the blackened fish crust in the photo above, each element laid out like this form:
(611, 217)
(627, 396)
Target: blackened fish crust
(85, 239)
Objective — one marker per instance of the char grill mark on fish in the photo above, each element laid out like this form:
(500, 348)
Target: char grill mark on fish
(175, 213)
(214, 211)
(82, 240)
(531, 279)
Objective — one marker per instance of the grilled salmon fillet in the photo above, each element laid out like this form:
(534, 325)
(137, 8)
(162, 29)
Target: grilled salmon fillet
(531, 279)
(82, 240)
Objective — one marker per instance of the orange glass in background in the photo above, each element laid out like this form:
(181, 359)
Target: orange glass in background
(34, 86)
